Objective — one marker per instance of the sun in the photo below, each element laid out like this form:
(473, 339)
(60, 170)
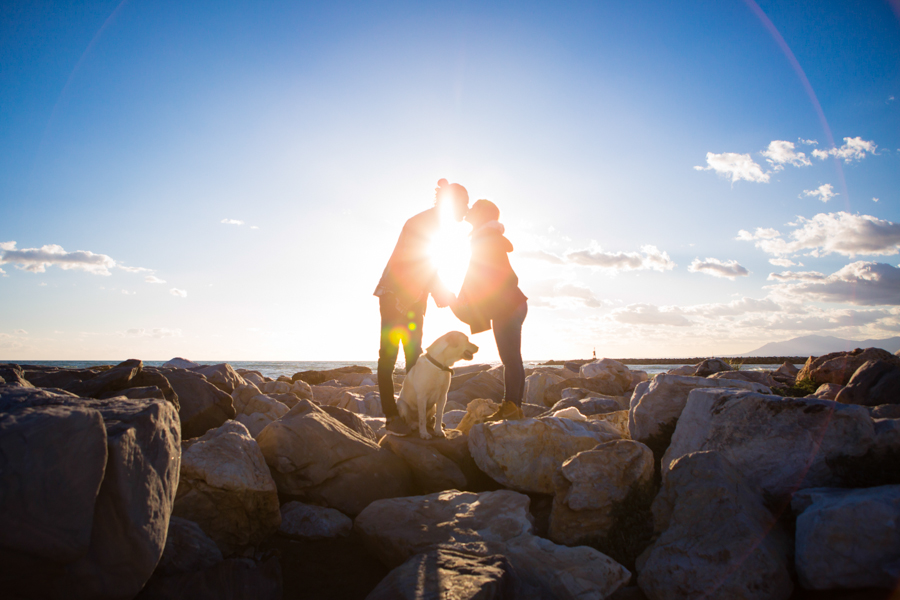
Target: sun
(449, 249)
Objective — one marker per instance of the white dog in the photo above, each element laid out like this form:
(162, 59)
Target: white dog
(424, 391)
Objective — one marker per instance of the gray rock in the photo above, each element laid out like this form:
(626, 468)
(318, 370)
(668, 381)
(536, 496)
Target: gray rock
(710, 366)
(839, 367)
(180, 363)
(483, 385)
(187, 548)
(203, 405)
(590, 404)
(875, 383)
(717, 539)
(848, 538)
(12, 375)
(309, 522)
(780, 445)
(131, 508)
(231, 579)
(760, 377)
(222, 376)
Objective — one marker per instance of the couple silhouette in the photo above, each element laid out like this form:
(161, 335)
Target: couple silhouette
(489, 298)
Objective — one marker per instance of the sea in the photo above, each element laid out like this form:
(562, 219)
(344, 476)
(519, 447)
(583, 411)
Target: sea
(277, 368)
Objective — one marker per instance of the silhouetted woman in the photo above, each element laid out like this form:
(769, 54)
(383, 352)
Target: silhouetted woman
(490, 298)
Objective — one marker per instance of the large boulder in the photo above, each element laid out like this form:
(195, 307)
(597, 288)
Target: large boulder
(86, 493)
(717, 539)
(591, 484)
(231, 579)
(225, 487)
(875, 383)
(309, 522)
(203, 405)
(315, 457)
(760, 377)
(483, 385)
(524, 455)
(536, 384)
(608, 370)
(839, 367)
(656, 407)
(600, 385)
(711, 366)
(449, 574)
(11, 375)
(848, 538)
(439, 464)
(780, 445)
(180, 363)
(486, 524)
(590, 404)
(827, 391)
(222, 376)
(318, 377)
(187, 549)
(87, 383)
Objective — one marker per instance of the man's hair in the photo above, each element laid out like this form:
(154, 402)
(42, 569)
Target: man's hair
(450, 191)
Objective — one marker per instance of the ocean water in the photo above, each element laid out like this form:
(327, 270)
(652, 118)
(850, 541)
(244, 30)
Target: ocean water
(276, 368)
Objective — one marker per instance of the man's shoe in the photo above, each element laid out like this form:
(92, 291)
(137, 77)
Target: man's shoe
(397, 426)
(507, 412)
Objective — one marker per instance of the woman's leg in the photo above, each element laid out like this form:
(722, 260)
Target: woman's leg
(387, 353)
(508, 335)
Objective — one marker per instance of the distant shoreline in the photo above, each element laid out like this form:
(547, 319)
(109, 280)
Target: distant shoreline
(744, 360)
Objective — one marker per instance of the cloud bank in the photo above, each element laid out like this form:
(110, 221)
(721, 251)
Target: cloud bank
(824, 192)
(711, 266)
(860, 283)
(735, 167)
(827, 233)
(36, 260)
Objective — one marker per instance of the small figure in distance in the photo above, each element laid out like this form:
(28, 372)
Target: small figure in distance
(490, 298)
(408, 278)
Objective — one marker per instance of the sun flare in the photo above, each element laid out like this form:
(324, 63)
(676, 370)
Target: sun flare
(449, 249)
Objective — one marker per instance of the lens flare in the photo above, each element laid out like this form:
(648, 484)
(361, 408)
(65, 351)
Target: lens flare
(449, 249)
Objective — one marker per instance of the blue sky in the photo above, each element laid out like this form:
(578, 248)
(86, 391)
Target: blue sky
(650, 161)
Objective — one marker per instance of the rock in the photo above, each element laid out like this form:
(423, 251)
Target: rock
(536, 384)
(448, 574)
(231, 579)
(637, 377)
(600, 385)
(532, 410)
(86, 492)
(486, 524)
(589, 486)
(13, 376)
(203, 405)
(787, 370)
(483, 385)
(655, 409)
(684, 370)
(87, 383)
(225, 487)
(452, 418)
(358, 379)
(398, 528)
(827, 391)
(136, 393)
(266, 405)
(595, 404)
(318, 377)
(254, 423)
(780, 445)
(276, 387)
(711, 366)
(848, 538)
(187, 548)
(150, 376)
(254, 377)
(525, 454)
(760, 377)
(567, 413)
(222, 376)
(241, 395)
(476, 412)
(717, 538)
(370, 404)
(839, 367)
(608, 370)
(301, 389)
(180, 363)
(351, 421)
(308, 522)
(618, 419)
(873, 384)
(313, 456)
(885, 411)
(439, 464)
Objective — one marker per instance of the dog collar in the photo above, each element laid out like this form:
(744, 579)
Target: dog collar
(438, 365)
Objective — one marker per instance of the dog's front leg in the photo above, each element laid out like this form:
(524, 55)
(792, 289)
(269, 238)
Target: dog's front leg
(440, 401)
(422, 405)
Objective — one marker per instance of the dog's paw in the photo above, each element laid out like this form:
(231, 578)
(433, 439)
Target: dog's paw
(439, 433)
(424, 435)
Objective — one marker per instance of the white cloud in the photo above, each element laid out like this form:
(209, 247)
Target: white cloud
(783, 262)
(156, 332)
(127, 293)
(781, 152)
(874, 199)
(759, 234)
(824, 192)
(808, 142)
(20, 332)
(231, 222)
(853, 149)
(254, 227)
(650, 257)
(826, 233)
(860, 283)
(712, 266)
(153, 279)
(179, 293)
(735, 308)
(2, 272)
(542, 255)
(37, 260)
(557, 293)
(134, 269)
(649, 314)
(735, 166)
(796, 276)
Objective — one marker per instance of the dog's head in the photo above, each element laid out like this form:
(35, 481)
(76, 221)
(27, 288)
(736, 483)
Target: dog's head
(451, 347)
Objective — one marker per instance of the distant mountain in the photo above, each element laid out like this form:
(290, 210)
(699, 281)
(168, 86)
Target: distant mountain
(817, 345)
